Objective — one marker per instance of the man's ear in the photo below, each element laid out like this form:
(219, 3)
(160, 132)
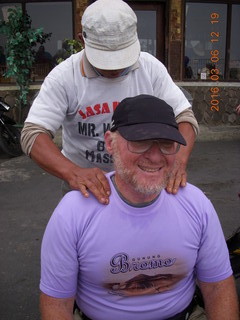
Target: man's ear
(108, 142)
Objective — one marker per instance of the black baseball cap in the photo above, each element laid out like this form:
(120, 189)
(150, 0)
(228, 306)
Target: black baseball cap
(145, 117)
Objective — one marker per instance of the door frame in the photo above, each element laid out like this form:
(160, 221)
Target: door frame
(160, 8)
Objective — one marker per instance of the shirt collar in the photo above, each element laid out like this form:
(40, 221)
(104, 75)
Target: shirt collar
(88, 71)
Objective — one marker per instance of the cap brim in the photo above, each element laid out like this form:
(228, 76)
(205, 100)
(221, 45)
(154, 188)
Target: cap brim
(113, 60)
(147, 131)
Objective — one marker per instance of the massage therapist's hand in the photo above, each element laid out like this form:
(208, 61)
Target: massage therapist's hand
(178, 177)
(54, 162)
(90, 180)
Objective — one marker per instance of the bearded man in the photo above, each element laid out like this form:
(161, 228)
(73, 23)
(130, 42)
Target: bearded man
(141, 256)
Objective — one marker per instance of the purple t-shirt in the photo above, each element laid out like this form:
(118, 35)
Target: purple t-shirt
(123, 262)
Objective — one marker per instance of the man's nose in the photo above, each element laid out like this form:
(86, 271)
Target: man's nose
(154, 152)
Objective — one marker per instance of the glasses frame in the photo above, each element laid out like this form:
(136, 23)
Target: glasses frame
(151, 142)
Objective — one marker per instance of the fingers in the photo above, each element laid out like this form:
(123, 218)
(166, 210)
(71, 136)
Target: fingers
(92, 180)
(99, 187)
(83, 190)
(104, 183)
(177, 179)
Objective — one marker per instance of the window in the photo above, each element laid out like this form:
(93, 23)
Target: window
(151, 26)
(209, 54)
(234, 72)
(147, 30)
(54, 17)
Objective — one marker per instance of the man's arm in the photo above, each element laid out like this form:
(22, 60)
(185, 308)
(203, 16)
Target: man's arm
(179, 175)
(48, 156)
(55, 308)
(220, 299)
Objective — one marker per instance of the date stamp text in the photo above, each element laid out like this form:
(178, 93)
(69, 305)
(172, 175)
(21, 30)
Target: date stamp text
(214, 57)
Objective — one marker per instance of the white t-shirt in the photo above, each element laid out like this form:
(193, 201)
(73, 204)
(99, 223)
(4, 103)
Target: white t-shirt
(84, 106)
(123, 262)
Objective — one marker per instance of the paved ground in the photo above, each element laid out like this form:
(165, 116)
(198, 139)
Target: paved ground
(28, 195)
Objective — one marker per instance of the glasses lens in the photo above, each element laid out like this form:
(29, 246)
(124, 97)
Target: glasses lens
(166, 147)
(139, 146)
(169, 147)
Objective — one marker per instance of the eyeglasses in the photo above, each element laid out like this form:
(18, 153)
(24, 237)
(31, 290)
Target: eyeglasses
(166, 147)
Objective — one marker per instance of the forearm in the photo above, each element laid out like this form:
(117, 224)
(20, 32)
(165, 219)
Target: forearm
(48, 156)
(56, 309)
(179, 176)
(220, 300)
(189, 135)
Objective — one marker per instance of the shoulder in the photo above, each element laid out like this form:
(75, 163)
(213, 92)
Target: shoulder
(148, 59)
(74, 202)
(74, 205)
(62, 80)
(191, 209)
(190, 188)
(192, 195)
(74, 213)
(67, 67)
(193, 202)
(152, 67)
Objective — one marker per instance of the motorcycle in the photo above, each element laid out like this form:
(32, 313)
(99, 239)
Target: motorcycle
(9, 133)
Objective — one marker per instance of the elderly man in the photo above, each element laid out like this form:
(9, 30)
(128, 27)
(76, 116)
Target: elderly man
(140, 256)
(82, 92)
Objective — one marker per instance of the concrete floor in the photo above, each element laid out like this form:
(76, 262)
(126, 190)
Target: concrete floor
(28, 196)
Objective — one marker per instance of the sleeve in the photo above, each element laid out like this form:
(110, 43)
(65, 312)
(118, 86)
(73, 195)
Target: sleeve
(29, 134)
(59, 257)
(164, 87)
(213, 263)
(50, 106)
(188, 116)
(57, 97)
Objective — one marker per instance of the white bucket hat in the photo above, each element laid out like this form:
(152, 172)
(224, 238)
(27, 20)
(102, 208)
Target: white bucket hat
(110, 35)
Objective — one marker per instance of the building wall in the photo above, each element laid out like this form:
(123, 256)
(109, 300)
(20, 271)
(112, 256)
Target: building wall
(219, 111)
(229, 98)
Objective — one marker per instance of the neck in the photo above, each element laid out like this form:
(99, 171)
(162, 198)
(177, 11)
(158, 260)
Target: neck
(132, 196)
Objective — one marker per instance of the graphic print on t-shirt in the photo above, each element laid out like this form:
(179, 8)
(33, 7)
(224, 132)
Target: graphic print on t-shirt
(141, 284)
(91, 126)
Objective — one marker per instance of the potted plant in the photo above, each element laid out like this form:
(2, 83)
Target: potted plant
(69, 47)
(20, 53)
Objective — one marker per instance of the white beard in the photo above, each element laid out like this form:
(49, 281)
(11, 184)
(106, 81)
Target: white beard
(147, 187)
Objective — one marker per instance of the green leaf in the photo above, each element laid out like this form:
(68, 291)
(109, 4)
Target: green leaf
(20, 52)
